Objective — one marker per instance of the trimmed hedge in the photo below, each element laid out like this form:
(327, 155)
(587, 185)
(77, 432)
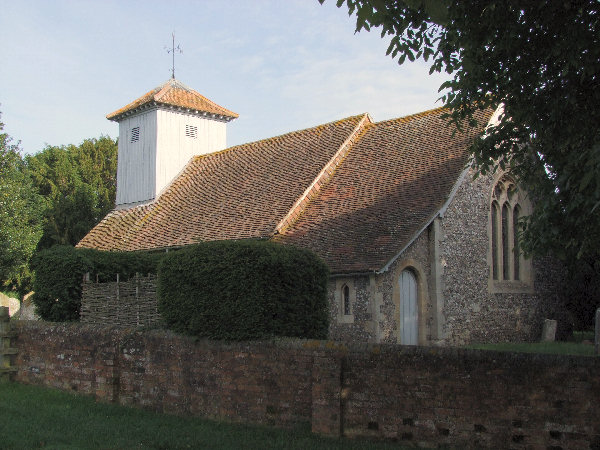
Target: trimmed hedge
(106, 265)
(238, 290)
(57, 283)
(59, 273)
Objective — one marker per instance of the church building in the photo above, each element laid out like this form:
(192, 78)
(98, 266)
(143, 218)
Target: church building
(420, 252)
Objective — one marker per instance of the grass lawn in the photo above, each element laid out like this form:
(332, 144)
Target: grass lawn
(575, 347)
(34, 417)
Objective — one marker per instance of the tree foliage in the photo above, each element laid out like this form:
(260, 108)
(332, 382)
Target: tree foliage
(78, 184)
(541, 60)
(20, 217)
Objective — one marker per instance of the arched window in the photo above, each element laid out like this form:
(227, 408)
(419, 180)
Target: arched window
(409, 308)
(506, 209)
(346, 300)
(495, 251)
(505, 244)
(516, 248)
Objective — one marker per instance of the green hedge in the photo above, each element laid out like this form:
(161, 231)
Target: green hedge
(106, 265)
(57, 283)
(238, 290)
(59, 272)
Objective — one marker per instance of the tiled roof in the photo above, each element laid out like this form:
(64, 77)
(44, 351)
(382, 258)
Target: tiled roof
(242, 192)
(354, 191)
(174, 93)
(391, 183)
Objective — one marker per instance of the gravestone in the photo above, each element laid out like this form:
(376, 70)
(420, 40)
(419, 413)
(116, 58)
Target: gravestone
(549, 331)
(13, 304)
(27, 311)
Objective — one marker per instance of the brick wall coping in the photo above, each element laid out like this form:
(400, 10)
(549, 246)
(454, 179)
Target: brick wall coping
(459, 355)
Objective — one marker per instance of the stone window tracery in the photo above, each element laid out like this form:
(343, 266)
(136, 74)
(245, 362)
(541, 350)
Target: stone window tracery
(508, 267)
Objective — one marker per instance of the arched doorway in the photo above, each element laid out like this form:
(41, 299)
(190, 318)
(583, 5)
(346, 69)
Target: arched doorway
(409, 308)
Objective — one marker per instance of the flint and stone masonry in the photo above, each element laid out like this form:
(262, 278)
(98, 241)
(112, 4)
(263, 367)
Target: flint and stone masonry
(457, 302)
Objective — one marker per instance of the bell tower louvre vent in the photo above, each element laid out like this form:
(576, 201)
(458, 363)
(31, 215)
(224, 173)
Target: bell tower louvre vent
(191, 131)
(135, 134)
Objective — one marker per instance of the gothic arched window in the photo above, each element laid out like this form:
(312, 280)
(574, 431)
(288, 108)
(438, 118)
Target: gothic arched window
(506, 208)
(345, 298)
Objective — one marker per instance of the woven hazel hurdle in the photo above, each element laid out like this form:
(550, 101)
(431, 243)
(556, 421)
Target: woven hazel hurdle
(130, 303)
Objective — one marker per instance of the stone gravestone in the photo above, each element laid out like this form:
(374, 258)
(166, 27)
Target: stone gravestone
(27, 311)
(13, 304)
(597, 337)
(549, 331)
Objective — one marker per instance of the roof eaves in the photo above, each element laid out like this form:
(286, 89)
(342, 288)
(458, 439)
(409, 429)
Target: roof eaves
(353, 274)
(154, 98)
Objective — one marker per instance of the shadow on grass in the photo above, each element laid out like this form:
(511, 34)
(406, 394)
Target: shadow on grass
(36, 417)
(555, 348)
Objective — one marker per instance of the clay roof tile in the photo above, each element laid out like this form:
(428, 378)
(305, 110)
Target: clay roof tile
(356, 209)
(174, 93)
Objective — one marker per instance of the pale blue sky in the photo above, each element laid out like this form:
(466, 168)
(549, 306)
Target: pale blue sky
(282, 65)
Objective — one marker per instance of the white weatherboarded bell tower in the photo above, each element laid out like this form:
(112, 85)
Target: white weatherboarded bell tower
(159, 133)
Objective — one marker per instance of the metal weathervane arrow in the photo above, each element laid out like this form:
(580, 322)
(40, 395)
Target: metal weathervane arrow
(172, 50)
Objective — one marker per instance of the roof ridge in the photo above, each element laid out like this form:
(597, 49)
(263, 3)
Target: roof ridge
(176, 84)
(303, 129)
(208, 100)
(323, 176)
(410, 117)
(260, 141)
(162, 90)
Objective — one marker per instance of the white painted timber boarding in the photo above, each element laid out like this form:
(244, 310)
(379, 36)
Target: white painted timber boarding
(155, 145)
(136, 164)
(409, 331)
(181, 136)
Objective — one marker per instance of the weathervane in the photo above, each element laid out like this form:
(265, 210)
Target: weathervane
(172, 50)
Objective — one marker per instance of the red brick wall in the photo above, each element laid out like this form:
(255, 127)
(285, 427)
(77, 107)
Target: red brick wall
(473, 399)
(255, 382)
(434, 396)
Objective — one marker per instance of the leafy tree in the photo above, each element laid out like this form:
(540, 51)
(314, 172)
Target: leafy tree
(20, 217)
(97, 162)
(78, 184)
(541, 60)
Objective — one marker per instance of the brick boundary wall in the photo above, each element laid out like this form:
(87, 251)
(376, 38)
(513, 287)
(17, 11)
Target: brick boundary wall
(421, 396)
